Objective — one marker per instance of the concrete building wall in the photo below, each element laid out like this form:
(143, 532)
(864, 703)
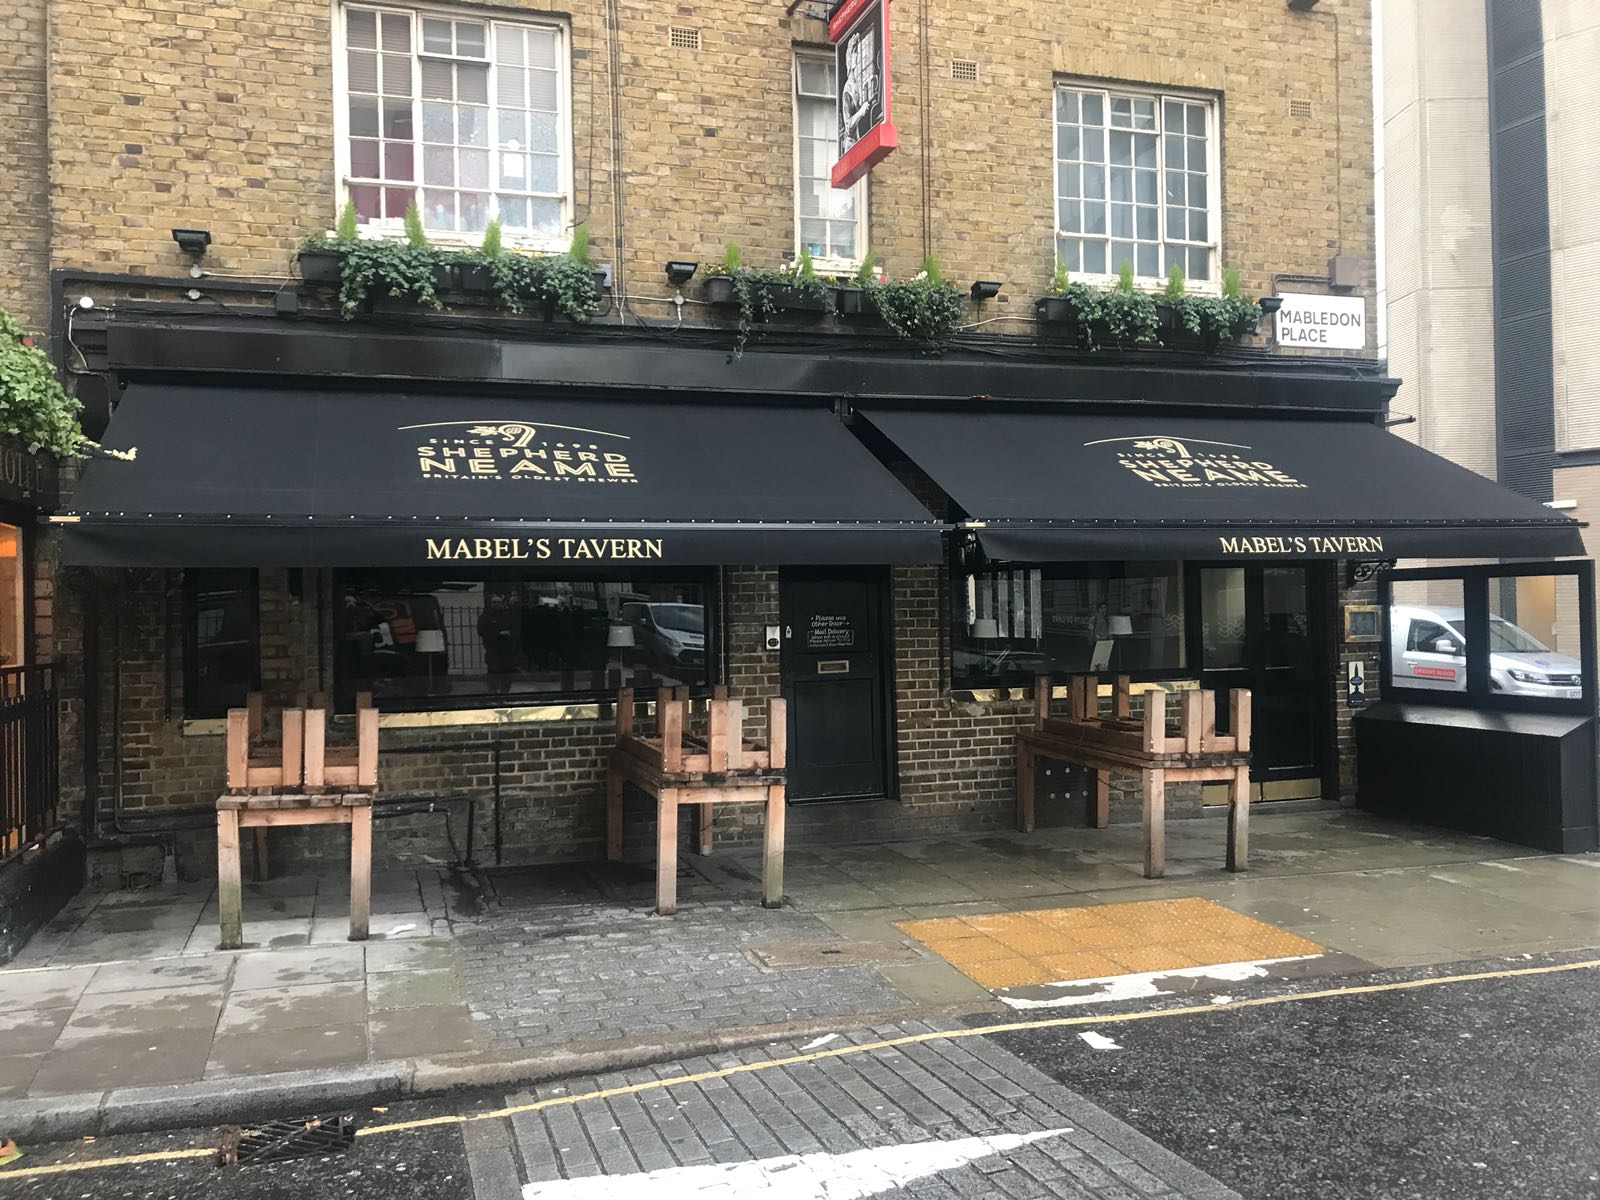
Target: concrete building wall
(24, 187)
(1440, 283)
(1572, 117)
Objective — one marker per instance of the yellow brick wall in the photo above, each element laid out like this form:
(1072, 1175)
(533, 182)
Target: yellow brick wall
(24, 209)
(194, 112)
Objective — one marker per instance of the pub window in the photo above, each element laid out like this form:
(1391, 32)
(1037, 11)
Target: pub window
(13, 597)
(445, 639)
(221, 646)
(829, 221)
(1121, 618)
(1136, 182)
(466, 116)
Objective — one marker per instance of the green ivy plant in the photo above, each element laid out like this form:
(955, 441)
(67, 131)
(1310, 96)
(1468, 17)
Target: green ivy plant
(372, 267)
(551, 282)
(1129, 315)
(1084, 301)
(925, 308)
(1213, 319)
(34, 408)
(756, 289)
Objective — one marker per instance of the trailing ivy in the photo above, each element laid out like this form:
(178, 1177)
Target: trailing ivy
(756, 289)
(1084, 301)
(551, 282)
(925, 308)
(402, 271)
(34, 408)
(1128, 314)
(1213, 319)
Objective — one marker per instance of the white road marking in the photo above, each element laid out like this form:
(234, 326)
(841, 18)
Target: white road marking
(1099, 1041)
(851, 1176)
(1143, 985)
(818, 1043)
(1500, 866)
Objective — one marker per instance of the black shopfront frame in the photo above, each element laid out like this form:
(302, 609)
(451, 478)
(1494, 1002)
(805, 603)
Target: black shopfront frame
(1475, 607)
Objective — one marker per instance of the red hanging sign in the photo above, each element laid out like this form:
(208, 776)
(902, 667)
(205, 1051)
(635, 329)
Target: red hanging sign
(859, 30)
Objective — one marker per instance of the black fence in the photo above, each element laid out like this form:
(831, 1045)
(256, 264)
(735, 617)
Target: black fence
(29, 756)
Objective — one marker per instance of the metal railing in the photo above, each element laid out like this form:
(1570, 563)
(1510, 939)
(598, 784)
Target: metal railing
(29, 756)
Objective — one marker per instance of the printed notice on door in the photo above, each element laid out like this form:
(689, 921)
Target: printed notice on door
(830, 631)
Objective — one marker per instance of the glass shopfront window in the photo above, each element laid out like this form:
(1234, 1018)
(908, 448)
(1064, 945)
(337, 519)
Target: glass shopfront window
(222, 658)
(1062, 620)
(428, 638)
(13, 598)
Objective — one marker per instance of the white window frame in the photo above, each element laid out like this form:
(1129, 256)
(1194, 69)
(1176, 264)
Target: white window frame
(822, 266)
(391, 228)
(1213, 107)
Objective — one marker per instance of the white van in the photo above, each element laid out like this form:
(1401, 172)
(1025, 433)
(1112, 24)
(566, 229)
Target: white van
(1427, 651)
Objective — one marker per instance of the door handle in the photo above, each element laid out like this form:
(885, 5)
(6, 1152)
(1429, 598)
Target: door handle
(788, 632)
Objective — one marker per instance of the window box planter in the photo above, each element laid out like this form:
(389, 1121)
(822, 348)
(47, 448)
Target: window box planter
(793, 299)
(1175, 334)
(850, 301)
(599, 282)
(1055, 310)
(444, 278)
(720, 290)
(321, 268)
(474, 278)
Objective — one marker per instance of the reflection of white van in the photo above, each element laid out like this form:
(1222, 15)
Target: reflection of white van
(1427, 651)
(672, 634)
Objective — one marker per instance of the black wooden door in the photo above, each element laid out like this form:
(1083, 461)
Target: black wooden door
(836, 678)
(1259, 628)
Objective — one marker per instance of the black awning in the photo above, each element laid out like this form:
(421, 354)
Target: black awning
(235, 476)
(1043, 487)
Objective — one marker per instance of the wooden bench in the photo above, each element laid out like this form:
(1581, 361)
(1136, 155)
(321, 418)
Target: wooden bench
(677, 768)
(1146, 748)
(301, 781)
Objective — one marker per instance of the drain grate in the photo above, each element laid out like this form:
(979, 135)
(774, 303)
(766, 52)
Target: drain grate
(277, 1140)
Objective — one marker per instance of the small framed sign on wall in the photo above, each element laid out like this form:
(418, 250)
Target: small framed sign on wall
(1363, 622)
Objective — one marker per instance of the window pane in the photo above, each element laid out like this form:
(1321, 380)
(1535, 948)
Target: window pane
(1094, 183)
(1197, 120)
(220, 626)
(420, 637)
(435, 36)
(1172, 115)
(363, 71)
(397, 160)
(542, 49)
(397, 119)
(513, 131)
(1174, 187)
(1197, 226)
(1197, 190)
(1067, 251)
(438, 165)
(1093, 109)
(472, 126)
(438, 123)
(1122, 186)
(1197, 154)
(508, 45)
(1094, 219)
(1222, 627)
(815, 78)
(474, 168)
(1145, 187)
(470, 39)
(438, 80)
(1200, 263)
(542, 133)
(368, 202)
(1094, 257)
(1094, 145)
(1062, 626)
(1121, 149)
(439, 210)
(1069, 177)
(396, 75)
(363, 117)
(361, 29)
(1066, 105)
(513, 212)
(1067, 145)
(545, 173)
(472, 83)
(1067, 216)
(474, 212)
(396, 201)
(814, 235)
(511, 87)
(364, 159)
(544, 216)
(542, 91)
(514, 171)
(1121, 112)
(844, 237)
(1122, 220)
(1144, 150)
(1147, 264)
(1177, 227)
(1121, 252)
(396, 33)
(1144, 225)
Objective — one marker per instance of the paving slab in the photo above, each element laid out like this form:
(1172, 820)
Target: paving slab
(411, 955)
(30, 1030)
(289, 1049)
(286, 968)
(49, 987)
(418, 988)
(421, 1032)
(297, 1007)
(172, 1010)
(122, 1060)
(161, 973)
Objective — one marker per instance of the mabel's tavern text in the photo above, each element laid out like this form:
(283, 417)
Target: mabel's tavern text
(552, 549)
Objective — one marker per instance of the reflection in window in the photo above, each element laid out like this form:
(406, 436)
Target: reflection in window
(422, 638)
(13, 602)
(1533, 648)
(221, 654)
(1013, 625)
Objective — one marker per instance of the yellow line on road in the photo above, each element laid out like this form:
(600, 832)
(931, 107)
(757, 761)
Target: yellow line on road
(841, 1051)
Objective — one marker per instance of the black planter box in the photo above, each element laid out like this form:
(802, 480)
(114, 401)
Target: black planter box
(793, 299)
(1055, 310)
(444, 278)
(720, 290)
(599, 281)
(850, 301)
(1174, 333)
(323, 268)
(474, 278)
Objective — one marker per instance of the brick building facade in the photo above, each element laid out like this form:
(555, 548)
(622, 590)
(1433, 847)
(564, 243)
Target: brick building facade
(671, 134)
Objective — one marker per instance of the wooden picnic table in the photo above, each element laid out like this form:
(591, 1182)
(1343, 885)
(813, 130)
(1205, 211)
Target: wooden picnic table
(1147, 748)
(677, 768)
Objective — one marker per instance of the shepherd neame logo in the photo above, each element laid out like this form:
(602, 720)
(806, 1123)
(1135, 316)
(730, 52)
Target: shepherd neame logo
(1166, 462)
(515, 450)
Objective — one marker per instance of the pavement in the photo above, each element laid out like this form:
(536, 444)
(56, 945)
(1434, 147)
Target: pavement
(123, 1016)
(1477, 1081)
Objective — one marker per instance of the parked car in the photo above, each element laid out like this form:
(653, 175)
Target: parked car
(670, 634)
(1427, 650)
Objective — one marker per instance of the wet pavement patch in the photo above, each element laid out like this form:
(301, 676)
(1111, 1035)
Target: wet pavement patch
(1102, 941)
(781, 956)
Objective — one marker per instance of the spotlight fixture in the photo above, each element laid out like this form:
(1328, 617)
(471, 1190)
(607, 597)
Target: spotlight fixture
(192, 241)
(680, 271)
(1270, 305)
(1302, 5)
(985, 289)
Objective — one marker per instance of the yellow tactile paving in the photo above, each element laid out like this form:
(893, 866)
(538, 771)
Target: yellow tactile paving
(1056, 945)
